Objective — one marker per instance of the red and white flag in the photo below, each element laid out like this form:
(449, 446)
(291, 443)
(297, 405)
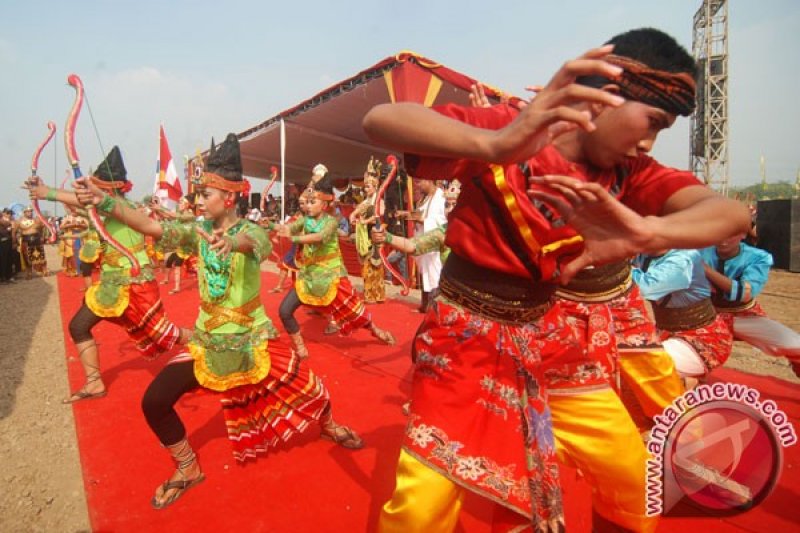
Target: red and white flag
(168, 185)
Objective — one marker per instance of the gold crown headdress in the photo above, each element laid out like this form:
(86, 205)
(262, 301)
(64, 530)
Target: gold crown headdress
(373, 172)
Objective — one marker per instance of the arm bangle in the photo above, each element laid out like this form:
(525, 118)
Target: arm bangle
(107, 204)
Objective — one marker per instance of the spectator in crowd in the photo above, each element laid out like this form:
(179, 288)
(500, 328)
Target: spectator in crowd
(6, 246)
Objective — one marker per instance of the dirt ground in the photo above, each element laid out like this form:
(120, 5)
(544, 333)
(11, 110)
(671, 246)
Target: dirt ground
(42, 488)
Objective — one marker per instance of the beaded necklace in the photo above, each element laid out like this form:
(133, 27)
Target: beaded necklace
(218, 270)
(313, 225)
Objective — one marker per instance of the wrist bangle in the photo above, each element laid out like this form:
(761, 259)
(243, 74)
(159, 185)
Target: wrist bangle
(51, 195)
(295, 239)
(389, 238)
(107, 204)
(231, 240)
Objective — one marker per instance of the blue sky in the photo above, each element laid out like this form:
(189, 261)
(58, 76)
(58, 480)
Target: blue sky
(206, 68)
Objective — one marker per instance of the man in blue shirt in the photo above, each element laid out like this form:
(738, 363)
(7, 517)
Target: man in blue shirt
(738, 272)
(691, 331)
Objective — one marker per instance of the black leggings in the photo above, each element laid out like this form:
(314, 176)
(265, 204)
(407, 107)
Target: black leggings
(86, 269)
(287, 309)
(158, 403)
(80, 327)
(174, 260)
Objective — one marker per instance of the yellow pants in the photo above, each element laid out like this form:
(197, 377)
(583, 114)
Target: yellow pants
(593, 433)
(652, 378)
(423, 500)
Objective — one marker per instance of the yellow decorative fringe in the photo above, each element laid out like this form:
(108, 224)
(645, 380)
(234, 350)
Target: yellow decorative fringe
(108, 311)
(208, 379)
(319, 301)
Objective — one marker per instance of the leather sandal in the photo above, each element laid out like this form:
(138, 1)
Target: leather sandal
(342, 435)
(384, 335)
(82, 393)
(178, 487)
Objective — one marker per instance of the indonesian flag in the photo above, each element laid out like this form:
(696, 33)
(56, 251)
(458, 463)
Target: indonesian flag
(168, 185)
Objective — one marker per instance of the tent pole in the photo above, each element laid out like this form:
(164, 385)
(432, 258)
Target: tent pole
(283, 171)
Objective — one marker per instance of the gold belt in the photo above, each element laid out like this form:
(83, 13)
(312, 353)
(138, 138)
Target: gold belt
(490, 306)
(725, 306)
(301, 259)
(111, 256)
(694, 316)
(598, 284)
(596, 296)
(221, 315)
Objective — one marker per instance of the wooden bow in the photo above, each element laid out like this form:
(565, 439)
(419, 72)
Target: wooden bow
(74, 161)
(384, 253)
(273, 175)
(51, 126)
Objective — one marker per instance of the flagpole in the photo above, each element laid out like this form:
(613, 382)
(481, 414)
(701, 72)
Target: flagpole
(157, 184)
(283, 170)
(186, 174)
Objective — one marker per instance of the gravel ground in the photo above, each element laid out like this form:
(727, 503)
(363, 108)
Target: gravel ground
(42, 487)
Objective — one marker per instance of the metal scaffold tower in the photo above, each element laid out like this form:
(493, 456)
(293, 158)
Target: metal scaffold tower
(709, 135)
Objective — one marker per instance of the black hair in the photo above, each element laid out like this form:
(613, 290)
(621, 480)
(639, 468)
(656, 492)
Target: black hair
(652, 47)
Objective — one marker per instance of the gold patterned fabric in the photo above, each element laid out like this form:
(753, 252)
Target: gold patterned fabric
(489, 306)
(598, 284)
(697, 315)
(374, 287)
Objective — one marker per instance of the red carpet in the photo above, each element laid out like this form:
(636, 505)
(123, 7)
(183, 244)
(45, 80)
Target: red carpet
(311, 484)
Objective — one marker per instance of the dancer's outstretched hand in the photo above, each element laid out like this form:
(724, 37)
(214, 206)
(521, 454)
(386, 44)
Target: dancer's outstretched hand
(378, 236)
(87, 192)
(477, 96)
(550, 113)
(218, 242)
(610, 230)
(37, 190)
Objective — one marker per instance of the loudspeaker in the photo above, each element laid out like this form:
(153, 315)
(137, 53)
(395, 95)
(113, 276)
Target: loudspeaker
(255, 200)
(778, 226)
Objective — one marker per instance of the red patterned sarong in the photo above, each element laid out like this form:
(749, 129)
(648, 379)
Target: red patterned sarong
(633, 327)
(145, 321)
(713, 342)
(261, 416)
(258, 417)
(728, 316)
(478, 412)
(607, 328)
(347, 308)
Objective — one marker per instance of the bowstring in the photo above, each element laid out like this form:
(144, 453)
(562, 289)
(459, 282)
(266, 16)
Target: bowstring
(105, 159)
